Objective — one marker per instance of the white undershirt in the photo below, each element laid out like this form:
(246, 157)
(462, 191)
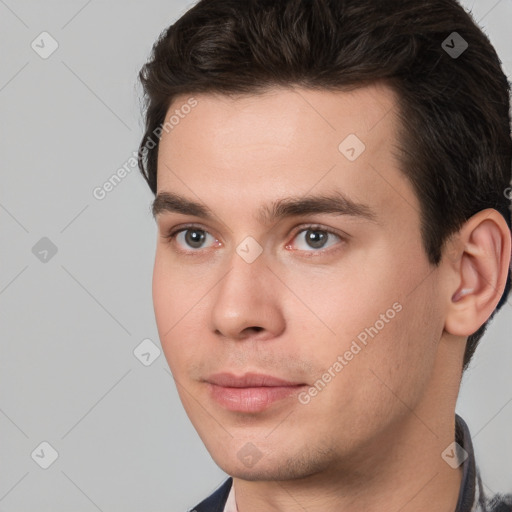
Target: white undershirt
(231, 502)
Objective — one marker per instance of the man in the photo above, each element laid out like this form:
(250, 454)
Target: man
(331, 181)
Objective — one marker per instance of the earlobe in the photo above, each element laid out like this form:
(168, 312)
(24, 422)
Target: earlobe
(481, 269)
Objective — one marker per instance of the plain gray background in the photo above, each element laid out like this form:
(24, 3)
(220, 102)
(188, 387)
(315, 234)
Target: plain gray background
(70, 324)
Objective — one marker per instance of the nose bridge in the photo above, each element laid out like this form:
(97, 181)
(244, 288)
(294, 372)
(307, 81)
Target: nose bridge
(246, 275)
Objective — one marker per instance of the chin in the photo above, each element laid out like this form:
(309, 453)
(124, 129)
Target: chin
(269, 469)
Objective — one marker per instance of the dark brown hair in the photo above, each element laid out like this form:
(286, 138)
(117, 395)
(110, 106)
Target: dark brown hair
(455, 144)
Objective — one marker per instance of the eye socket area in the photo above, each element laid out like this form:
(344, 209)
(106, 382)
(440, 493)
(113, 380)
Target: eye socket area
(317, 242)
(173, 234)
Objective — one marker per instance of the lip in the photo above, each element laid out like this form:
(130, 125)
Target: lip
(251, 392)
(249, 380)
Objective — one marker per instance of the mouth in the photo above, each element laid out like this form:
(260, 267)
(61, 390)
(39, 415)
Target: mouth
(250, 392)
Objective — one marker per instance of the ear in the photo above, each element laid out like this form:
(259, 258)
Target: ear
(479, 265)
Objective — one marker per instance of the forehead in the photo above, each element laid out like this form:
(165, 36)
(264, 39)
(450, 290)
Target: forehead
(280, 115)
(267, 145)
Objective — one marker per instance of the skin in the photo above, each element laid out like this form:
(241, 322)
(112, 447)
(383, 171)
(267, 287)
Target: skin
(376, 432)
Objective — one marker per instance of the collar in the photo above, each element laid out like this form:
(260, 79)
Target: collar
(471, 495)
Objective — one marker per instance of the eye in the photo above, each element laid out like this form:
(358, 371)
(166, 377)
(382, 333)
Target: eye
(194, 238)
(315, 238)
(189, 236)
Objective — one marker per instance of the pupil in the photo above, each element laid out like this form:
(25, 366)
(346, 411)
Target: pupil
(317, 241)
(191, 239)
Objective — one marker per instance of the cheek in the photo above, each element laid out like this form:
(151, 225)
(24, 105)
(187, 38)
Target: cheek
(173, 301)
(174, 290)
(399, 356)
(182, 315)
(353, 296)
(163, 296)
(382, 317)
(376, 379)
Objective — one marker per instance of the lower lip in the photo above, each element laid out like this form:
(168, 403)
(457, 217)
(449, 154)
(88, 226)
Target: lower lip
(251, 399)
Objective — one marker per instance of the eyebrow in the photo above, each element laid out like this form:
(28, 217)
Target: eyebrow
(334, 203)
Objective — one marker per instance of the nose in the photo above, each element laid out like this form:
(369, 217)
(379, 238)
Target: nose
(247, 301)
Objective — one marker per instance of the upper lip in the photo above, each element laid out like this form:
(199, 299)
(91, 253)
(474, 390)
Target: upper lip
(249, 380)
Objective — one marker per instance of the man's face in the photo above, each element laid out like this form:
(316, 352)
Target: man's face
(342, 305)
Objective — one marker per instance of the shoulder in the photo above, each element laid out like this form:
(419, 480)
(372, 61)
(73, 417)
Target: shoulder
(216, 501)
(500, 503)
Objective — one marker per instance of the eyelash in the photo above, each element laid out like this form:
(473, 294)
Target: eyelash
(170, 237)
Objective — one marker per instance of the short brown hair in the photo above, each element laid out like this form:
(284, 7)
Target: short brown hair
(455, 142)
